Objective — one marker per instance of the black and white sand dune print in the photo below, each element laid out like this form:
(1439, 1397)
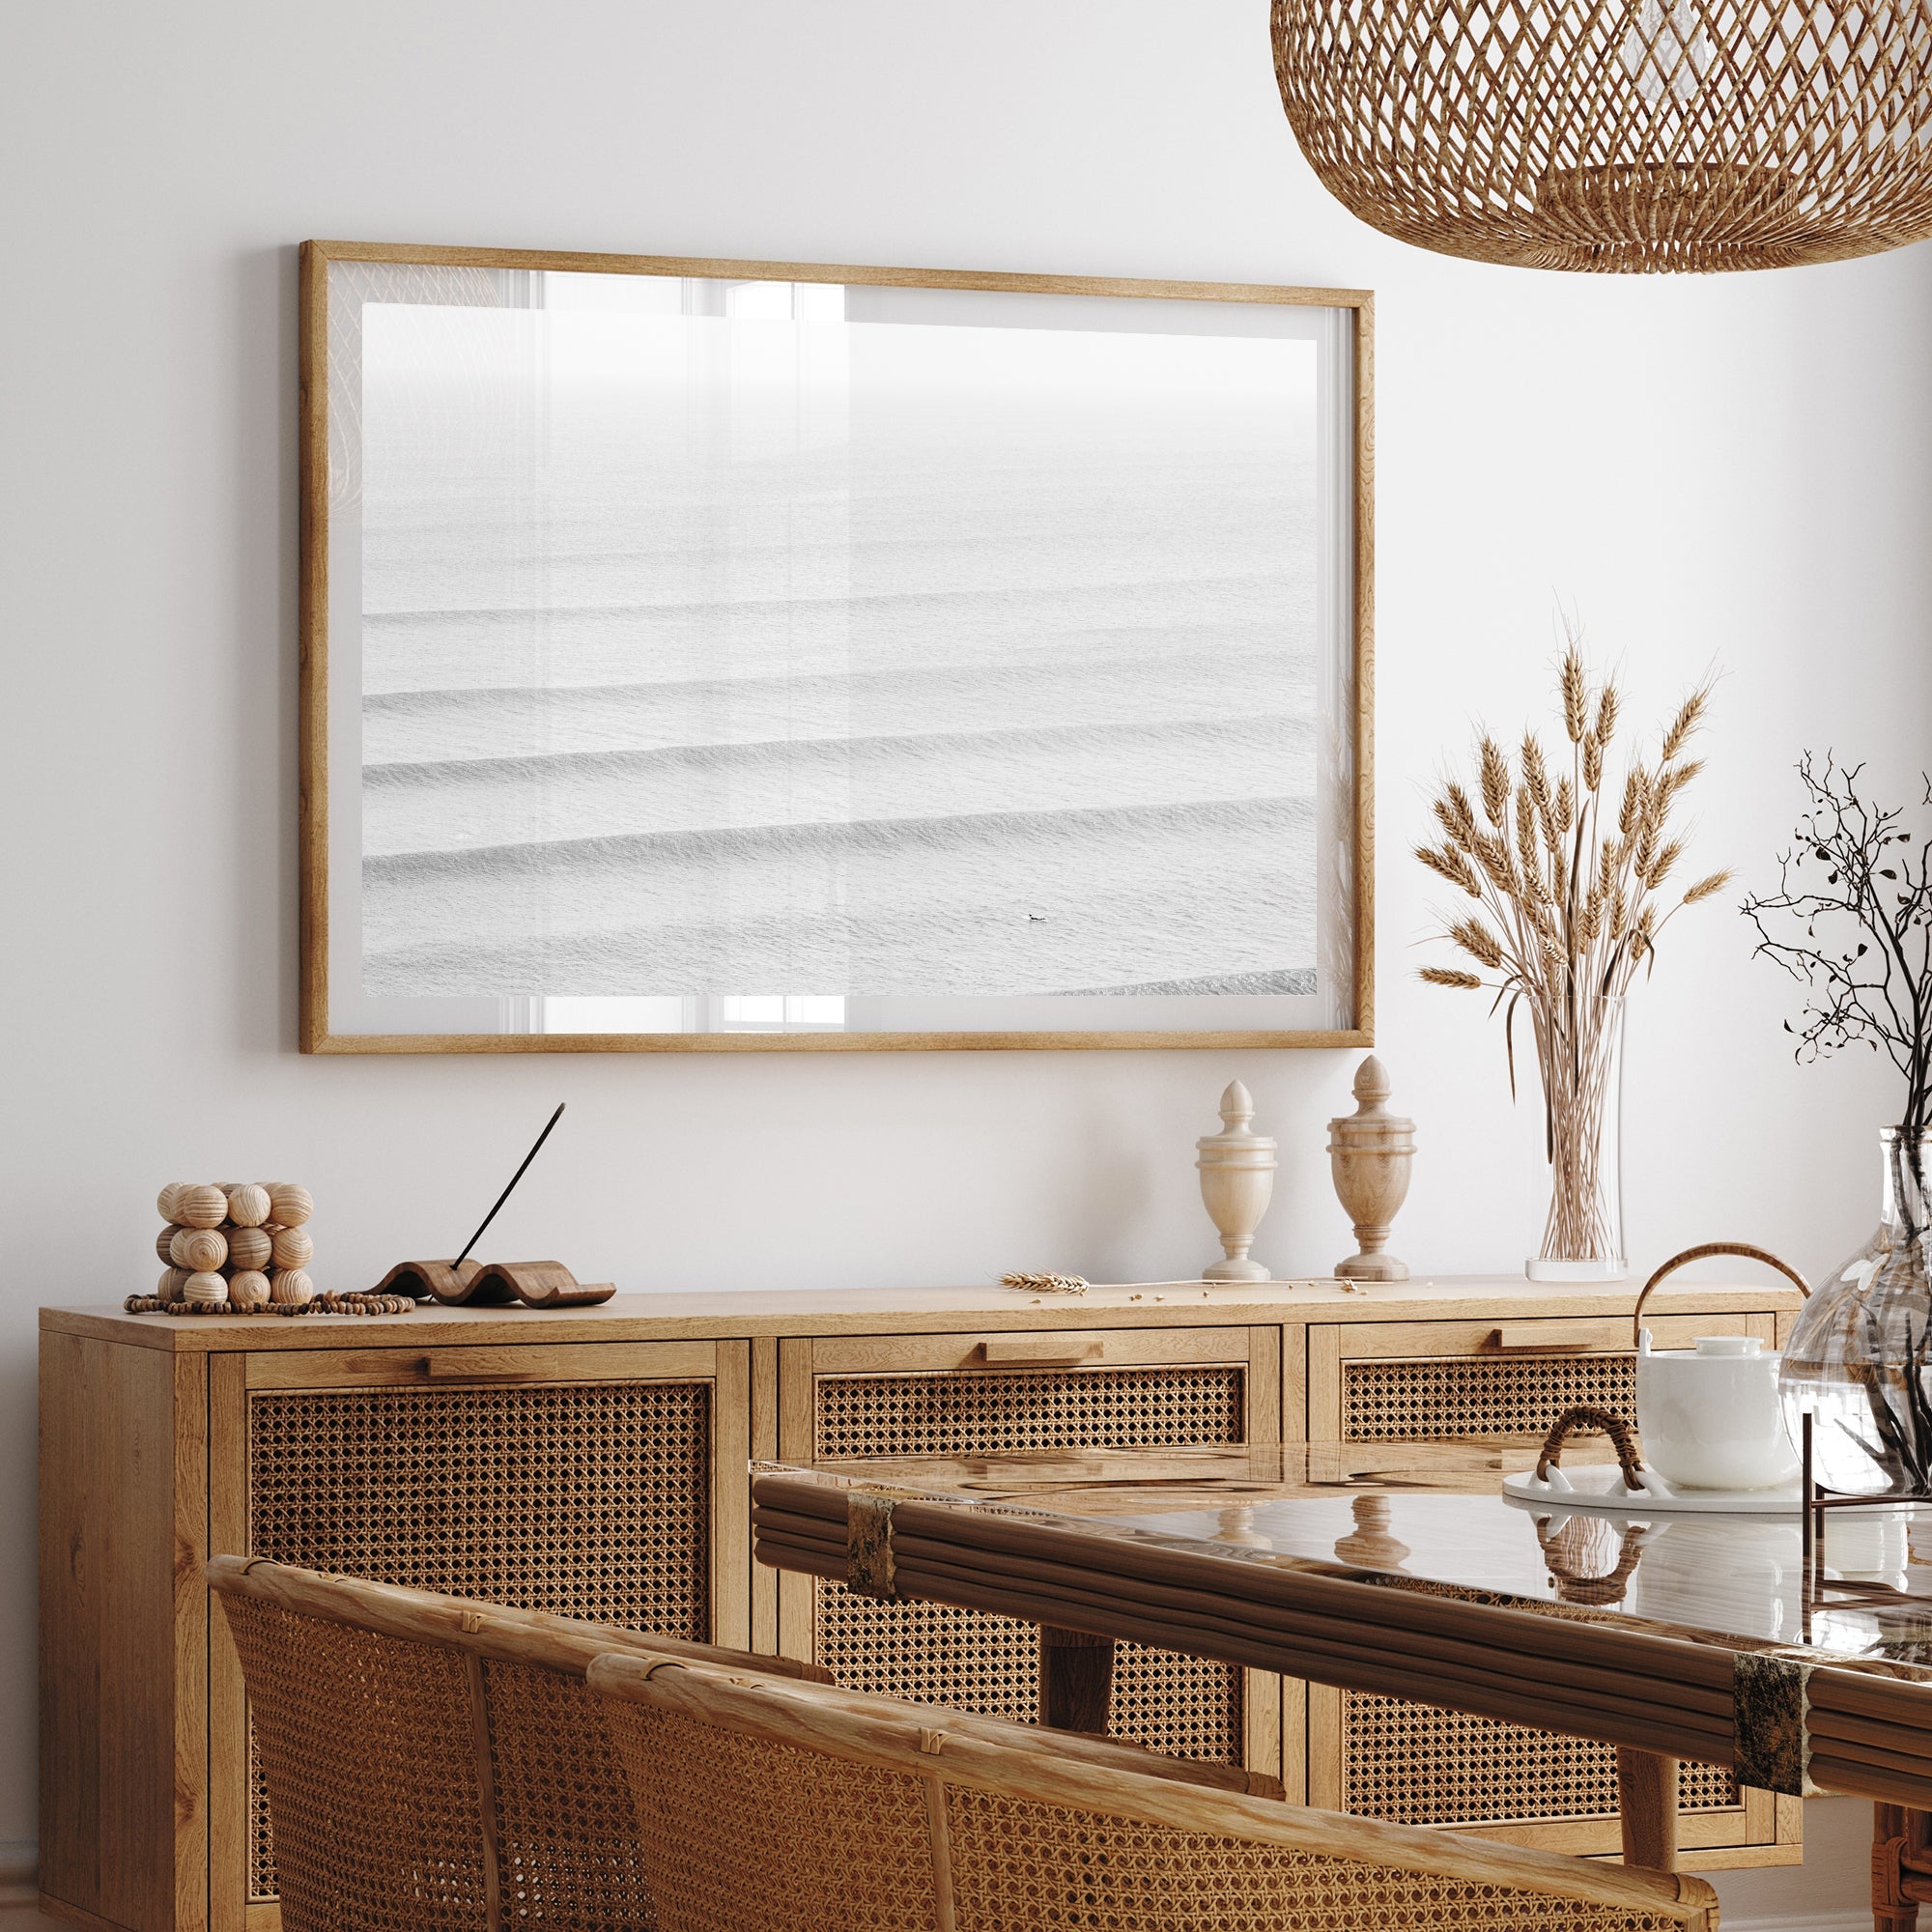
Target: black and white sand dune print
(731, 654)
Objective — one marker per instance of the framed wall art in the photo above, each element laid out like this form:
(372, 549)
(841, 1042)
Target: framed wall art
(724, 655)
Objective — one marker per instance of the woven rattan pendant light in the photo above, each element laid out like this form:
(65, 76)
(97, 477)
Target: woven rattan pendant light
(1619, 135)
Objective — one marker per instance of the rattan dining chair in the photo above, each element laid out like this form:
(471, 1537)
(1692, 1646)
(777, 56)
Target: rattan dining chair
(774, 1807)
(435, 1763)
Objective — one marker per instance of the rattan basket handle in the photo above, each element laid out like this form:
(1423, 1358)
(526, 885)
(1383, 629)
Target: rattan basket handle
(1583, 1415)
(1690, 1255)
(1596, 1591)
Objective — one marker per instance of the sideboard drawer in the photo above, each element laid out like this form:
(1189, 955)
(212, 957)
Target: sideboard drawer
(1412, 1381)
(1027, 1347)
(449, 1367)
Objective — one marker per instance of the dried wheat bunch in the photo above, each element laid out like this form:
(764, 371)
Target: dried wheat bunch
(1571, 897)
(1569, 892)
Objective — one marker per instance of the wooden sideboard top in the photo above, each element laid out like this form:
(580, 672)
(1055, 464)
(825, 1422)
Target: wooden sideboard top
(870, 1310)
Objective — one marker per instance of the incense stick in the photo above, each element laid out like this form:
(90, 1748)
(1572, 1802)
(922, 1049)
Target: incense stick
(508, 1191)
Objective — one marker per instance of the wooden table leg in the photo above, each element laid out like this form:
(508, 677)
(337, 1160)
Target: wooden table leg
(1076, 1679)
(1647, 1803)
(1901, 1866)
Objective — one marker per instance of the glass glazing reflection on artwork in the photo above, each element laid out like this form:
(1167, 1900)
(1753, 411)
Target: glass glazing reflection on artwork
(726, 646)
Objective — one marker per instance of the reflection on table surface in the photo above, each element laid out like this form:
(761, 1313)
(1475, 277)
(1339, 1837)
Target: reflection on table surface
(1434, 1512)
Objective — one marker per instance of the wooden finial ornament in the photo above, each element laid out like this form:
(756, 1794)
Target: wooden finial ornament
(1371, 1542)
(1236, 1168)
(1370, 1152)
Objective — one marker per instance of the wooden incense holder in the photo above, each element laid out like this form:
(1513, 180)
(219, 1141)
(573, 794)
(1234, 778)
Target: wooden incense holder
(498, 1284)
(494, 1284)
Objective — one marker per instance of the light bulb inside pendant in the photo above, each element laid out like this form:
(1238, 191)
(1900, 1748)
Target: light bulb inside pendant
(1667, 52)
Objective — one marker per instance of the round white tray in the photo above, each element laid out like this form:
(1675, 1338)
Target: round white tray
(1601, 1490)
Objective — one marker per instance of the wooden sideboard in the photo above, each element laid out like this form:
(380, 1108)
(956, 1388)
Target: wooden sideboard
(594, 1462)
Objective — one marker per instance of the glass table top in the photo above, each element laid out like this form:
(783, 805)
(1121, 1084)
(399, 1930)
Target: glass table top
(1435, 1514)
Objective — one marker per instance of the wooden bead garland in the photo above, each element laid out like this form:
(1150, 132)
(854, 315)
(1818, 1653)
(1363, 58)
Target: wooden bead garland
(355, 1301)
(241, 1247)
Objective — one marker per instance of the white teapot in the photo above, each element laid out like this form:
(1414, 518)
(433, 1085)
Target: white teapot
(1709, 1415)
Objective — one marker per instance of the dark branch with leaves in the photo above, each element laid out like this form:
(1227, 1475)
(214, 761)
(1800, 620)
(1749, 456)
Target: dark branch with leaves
(1851, 921)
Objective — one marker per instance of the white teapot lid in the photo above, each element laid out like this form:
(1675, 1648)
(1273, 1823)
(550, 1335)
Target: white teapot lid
(1712, 1349)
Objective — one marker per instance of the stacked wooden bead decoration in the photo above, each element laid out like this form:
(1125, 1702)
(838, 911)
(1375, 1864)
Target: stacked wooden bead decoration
(238, 1244)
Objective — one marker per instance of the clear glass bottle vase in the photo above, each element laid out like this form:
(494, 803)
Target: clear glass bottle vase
(1860, 1357)
(1581, 1063)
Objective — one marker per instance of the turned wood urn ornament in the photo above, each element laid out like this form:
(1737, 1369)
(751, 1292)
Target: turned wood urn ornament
(1373, 1542)
(1236, 1169)
(1370, 1152)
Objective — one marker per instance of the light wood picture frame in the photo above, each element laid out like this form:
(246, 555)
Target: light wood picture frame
(706, 655)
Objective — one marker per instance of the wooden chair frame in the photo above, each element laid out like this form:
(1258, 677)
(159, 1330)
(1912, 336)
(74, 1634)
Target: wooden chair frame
(497, 1631)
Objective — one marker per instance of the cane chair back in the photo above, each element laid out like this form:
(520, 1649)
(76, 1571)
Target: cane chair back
(437, 1763)
(774, 1806)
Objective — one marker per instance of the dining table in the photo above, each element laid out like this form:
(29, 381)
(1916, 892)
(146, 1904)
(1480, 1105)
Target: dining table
(1802, 1660)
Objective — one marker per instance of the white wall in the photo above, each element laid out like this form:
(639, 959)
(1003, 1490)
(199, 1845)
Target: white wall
(1729, 471)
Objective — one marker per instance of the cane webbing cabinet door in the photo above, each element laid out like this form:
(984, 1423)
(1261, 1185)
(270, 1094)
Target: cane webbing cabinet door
(603, 1481)
(883, 1396)
(1414, 1764)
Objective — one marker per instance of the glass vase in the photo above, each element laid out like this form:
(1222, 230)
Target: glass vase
(1579, 1052)
(1857, 1356)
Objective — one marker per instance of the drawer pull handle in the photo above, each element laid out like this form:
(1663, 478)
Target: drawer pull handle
(489, 1365)
(1535, 1338)
(1038, 1351)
